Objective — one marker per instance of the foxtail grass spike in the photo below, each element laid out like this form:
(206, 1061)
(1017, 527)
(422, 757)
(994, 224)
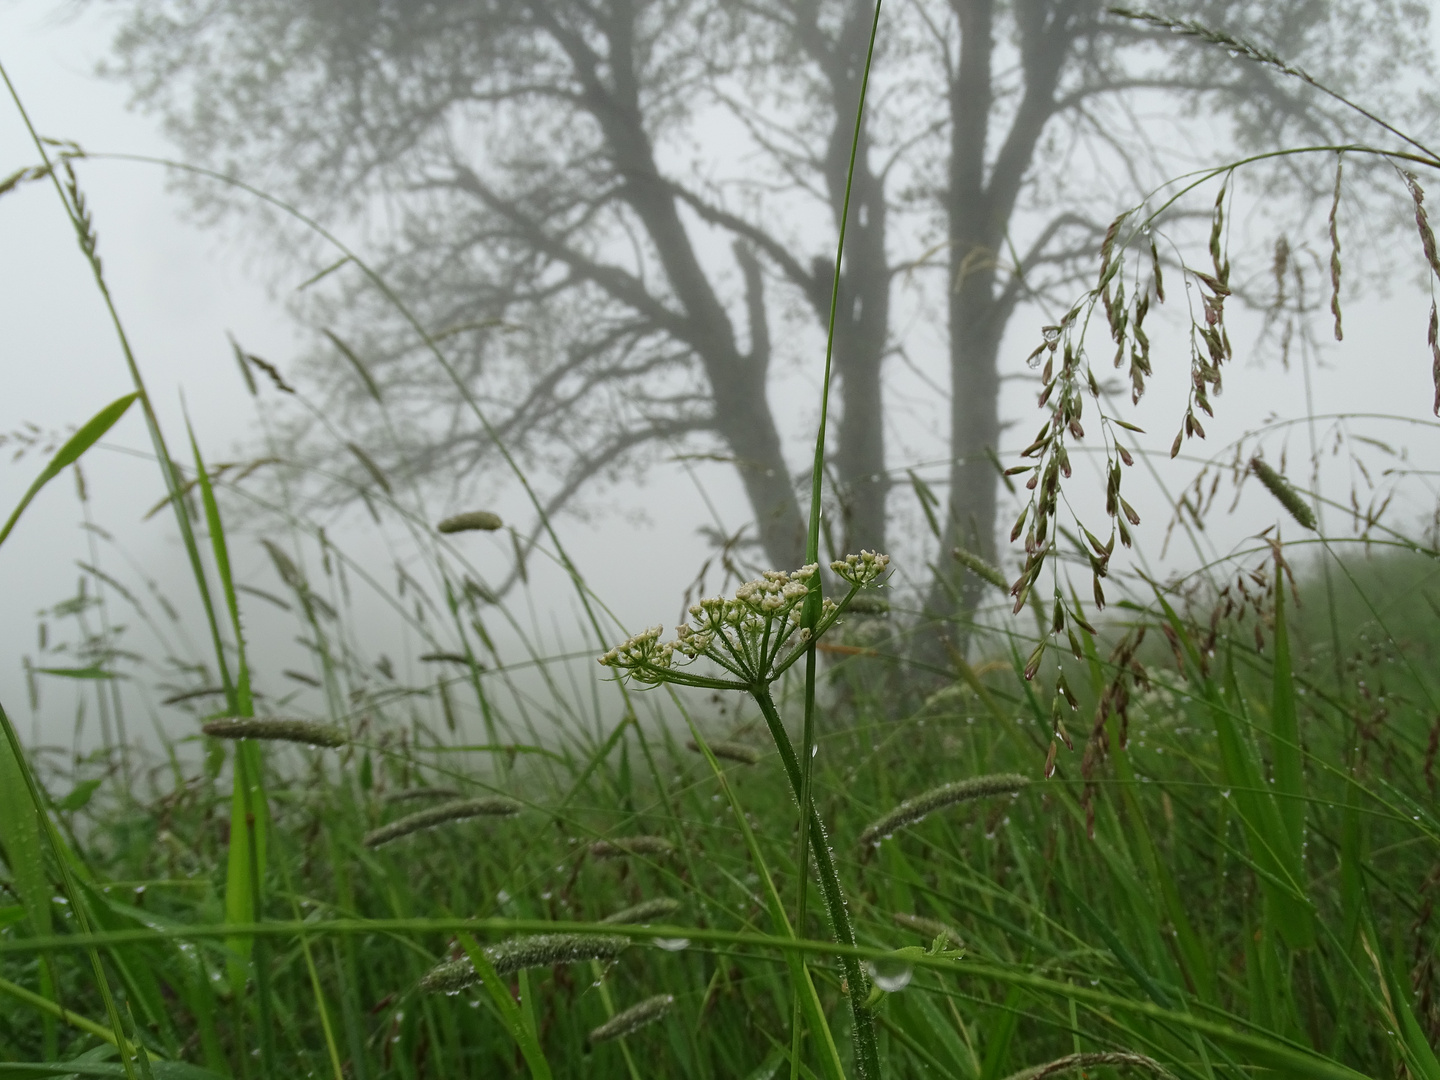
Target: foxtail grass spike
(654, 846)
(309, 732)
(981, 569)
(490, 806)
(644, 912)
(1286, 495)
(912, 810)
(730, 751)
(420, 794)
(538, 950)
(632, 1019)
(481, 520)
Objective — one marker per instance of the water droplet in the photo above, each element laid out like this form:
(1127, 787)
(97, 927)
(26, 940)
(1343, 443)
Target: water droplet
(891, 973)
(674, 944)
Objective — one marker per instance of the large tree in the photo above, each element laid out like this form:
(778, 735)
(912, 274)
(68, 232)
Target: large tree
(553, 185)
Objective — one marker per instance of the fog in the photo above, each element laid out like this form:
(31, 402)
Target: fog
(183, 288)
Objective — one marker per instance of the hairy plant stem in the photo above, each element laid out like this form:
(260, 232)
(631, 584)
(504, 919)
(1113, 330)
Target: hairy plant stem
(867, 1050)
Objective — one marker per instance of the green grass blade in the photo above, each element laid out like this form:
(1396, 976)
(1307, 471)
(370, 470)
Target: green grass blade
(509, 1012)
(88, 435)
(20, 837)
(242, 705)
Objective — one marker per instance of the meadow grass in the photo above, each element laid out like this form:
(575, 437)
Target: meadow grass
(1231, 874)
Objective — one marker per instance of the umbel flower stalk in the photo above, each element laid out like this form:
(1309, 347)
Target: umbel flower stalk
(754, 638)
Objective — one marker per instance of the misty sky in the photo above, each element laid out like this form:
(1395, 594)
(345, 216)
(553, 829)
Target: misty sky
(181, 289)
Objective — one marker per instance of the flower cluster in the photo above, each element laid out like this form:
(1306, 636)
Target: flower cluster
(746, 635)
(860, 570)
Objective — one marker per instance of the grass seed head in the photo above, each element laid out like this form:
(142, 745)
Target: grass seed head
(632, 1019)
(471, 522)
(644, 912)
(309, 732)
(538, 950)
(912, 810)
(421, 794)
(654, 846)
(490, 806)
(730, 751)
(981, 569)
(1286, 495)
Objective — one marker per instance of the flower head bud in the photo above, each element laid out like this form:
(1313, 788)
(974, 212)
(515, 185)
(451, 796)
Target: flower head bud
(860, 569)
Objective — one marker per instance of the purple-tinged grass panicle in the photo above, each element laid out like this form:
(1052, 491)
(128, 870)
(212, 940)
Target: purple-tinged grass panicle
(308, 732)
(490, 806)
(475, 520)
(928, 928)
(1286, 495)
(652, 846)
(420, 794)
(744, 753)
(538, 950)
(632, 1019)
(912, 810)
(644, 912)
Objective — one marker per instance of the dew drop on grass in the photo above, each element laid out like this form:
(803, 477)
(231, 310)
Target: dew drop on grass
(891, 973)
(674, 944)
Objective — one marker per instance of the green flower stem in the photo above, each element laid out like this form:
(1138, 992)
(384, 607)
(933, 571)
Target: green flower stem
(866, 1048)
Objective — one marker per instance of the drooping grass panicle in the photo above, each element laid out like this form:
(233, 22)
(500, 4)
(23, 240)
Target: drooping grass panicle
(516, 954)
(475, 520)
(928, 928)
(744, 753)
(644, 912)
(308, 732)
(465, 809)
(650, 846)
(1284, 493)
(632, 1019)
(912, 810)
